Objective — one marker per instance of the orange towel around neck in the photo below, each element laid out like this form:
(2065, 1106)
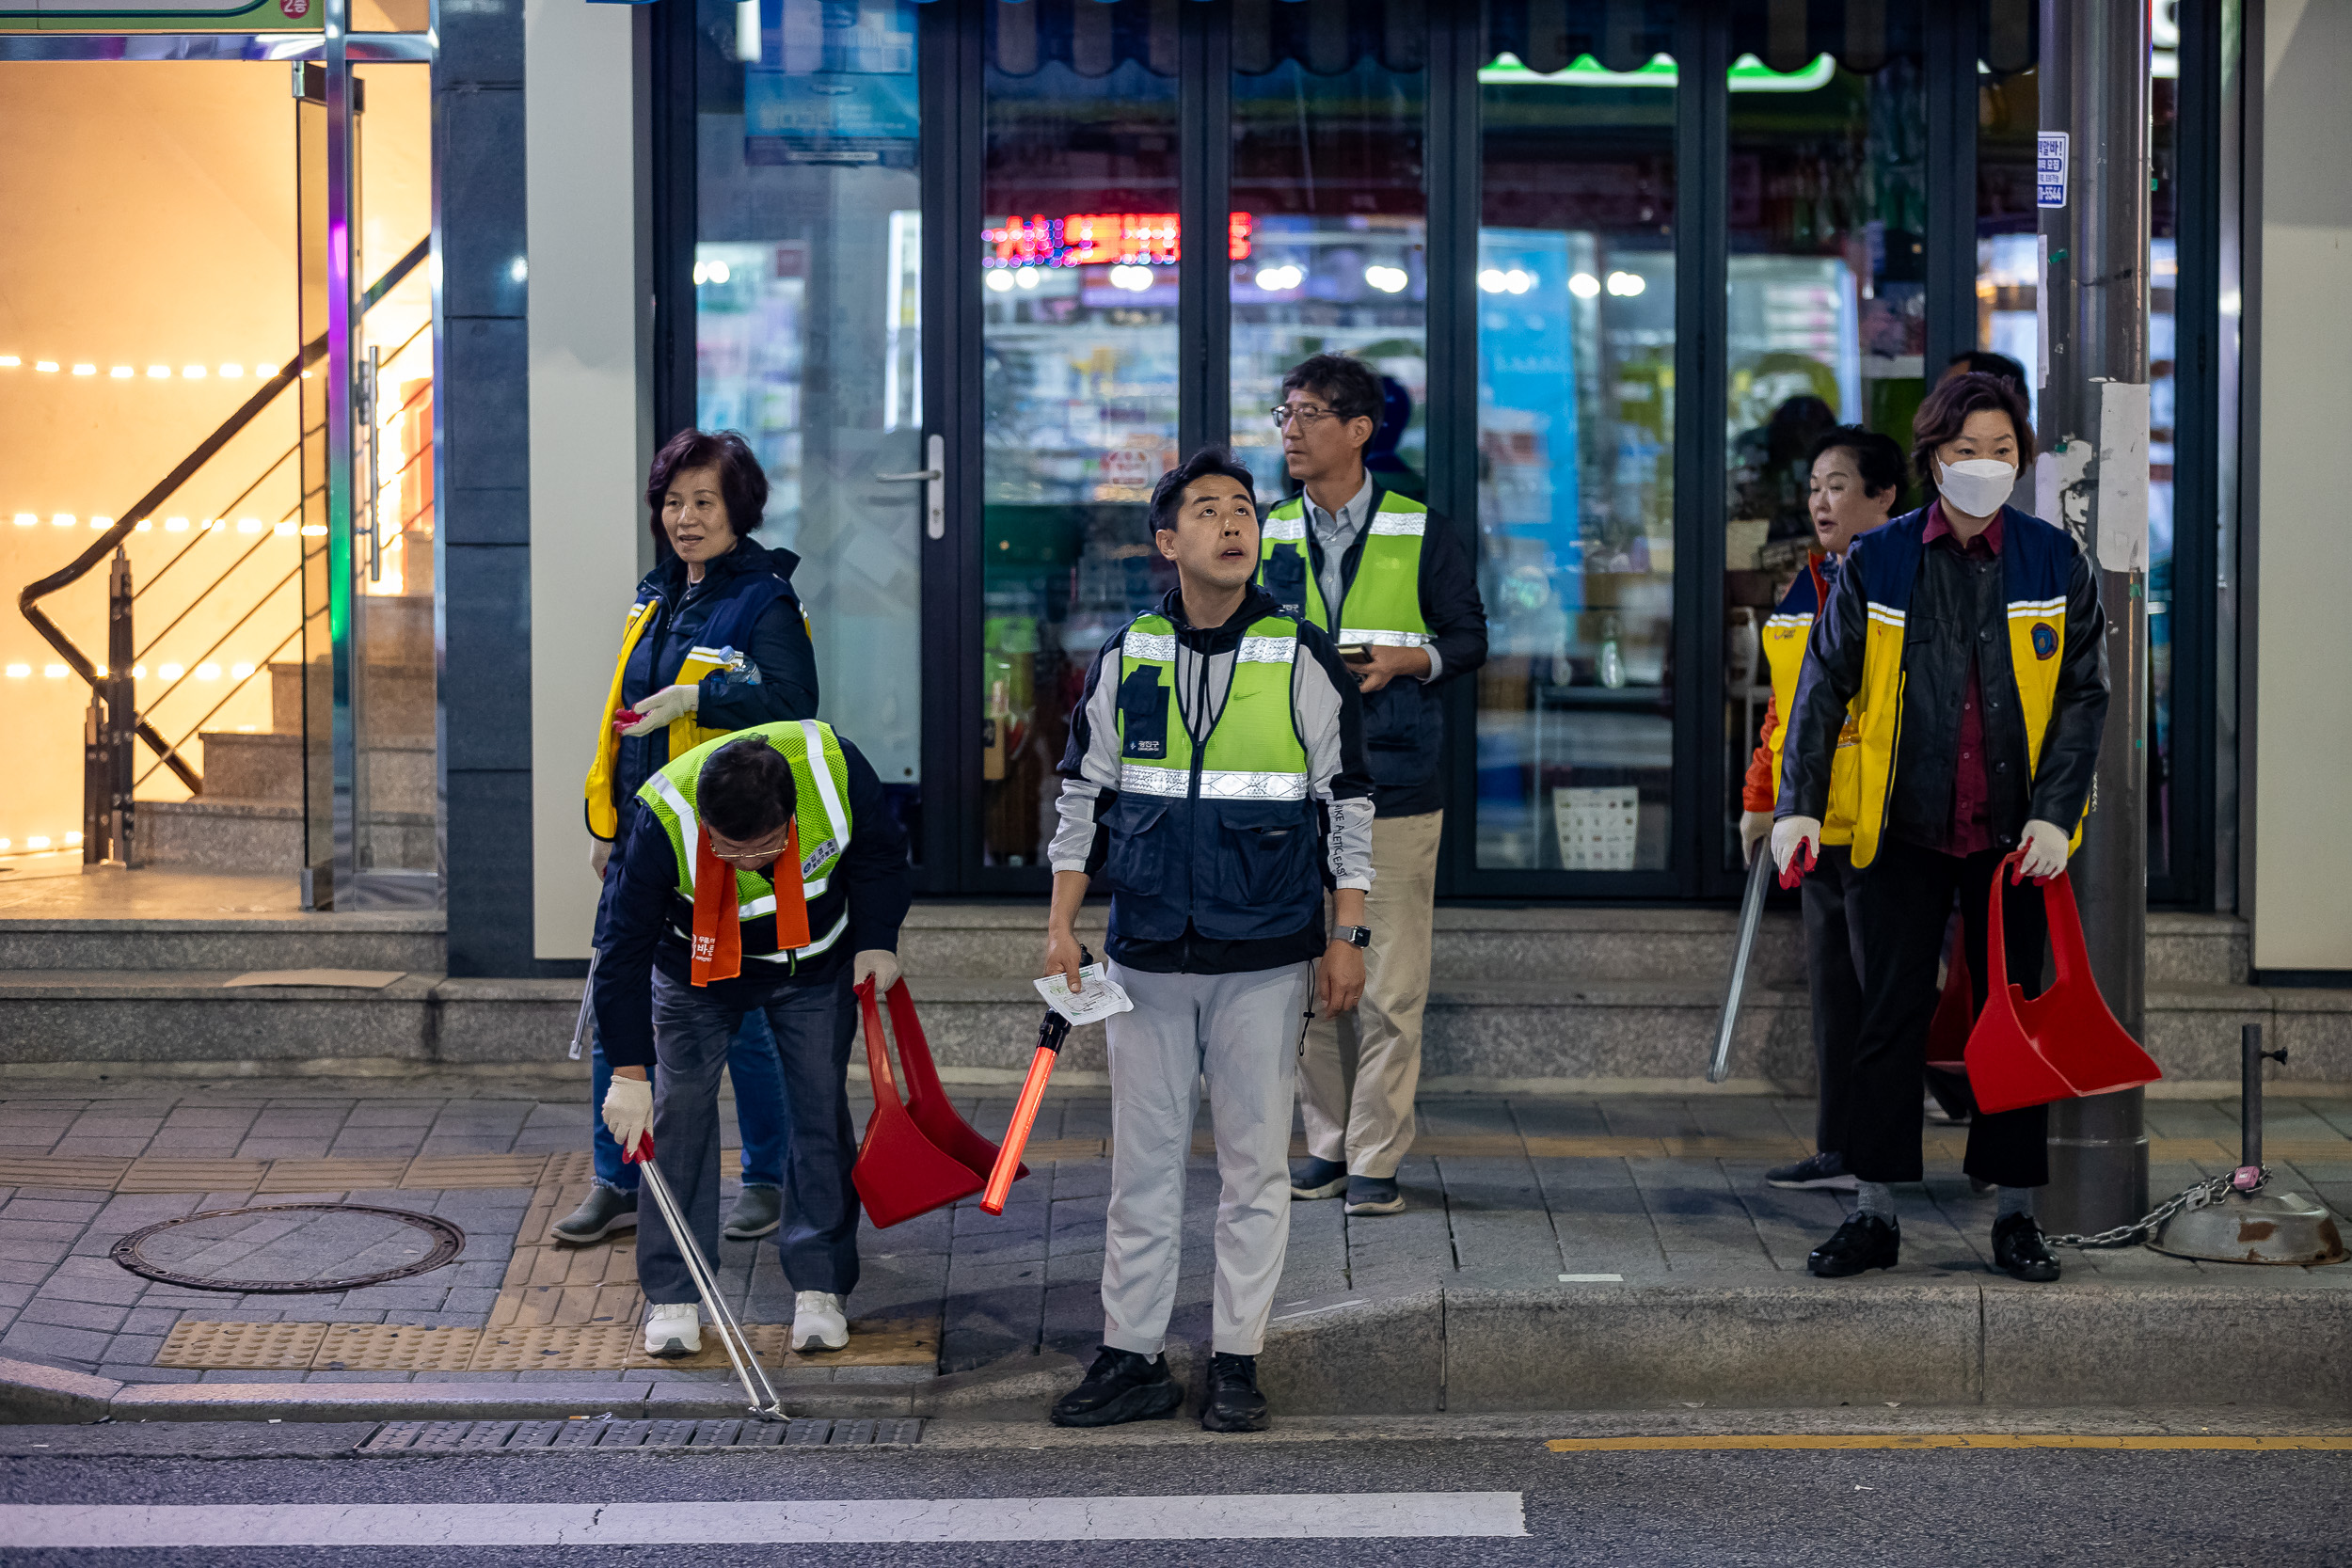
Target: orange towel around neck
(718, 951)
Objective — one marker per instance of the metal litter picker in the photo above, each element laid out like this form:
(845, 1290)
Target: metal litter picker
(764, 1404)
(1750, 912)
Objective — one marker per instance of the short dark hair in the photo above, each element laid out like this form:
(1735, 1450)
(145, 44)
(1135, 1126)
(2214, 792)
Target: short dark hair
(1947, 407)
(741, 485)
(1351, 386)
(746, 790)
(1983, 361)
(1876, 457)
(1169, 494)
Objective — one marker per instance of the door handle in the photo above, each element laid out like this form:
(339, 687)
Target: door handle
(934, 480)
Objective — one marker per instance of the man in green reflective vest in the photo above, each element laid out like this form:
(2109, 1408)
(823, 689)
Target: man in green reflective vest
(1397, 590)
(765, 871)
(1214, 782)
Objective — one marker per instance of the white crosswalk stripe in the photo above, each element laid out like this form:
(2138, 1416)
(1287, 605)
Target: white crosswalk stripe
(1233, 1516)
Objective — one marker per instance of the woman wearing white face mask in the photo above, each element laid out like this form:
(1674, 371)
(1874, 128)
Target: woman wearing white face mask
(1966, 643)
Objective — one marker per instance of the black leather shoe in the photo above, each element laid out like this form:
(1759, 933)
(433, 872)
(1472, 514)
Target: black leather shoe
(1864, 1242)
(2019, 1251)
(1120, 1386)
(1234, 1403)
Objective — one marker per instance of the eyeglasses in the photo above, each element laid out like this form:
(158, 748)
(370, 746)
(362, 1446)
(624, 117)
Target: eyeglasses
(742, 857)
(1306, 414)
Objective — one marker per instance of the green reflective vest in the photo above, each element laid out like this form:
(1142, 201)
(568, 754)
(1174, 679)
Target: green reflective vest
(1382, 604)
(1253, 752)
(821, 813)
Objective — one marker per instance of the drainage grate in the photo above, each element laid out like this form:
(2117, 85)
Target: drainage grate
(606, 1432)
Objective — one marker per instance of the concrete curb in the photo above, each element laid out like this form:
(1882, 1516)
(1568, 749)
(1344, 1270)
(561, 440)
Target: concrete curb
(1800, 1344)
(30, 1393)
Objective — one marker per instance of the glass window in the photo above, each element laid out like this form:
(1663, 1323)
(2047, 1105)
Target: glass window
(807, 286)
(1827, 193)
(1576, 352)
(1328, 241)
(1077, 279)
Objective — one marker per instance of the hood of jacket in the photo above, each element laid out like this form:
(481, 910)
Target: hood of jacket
(1256, 605)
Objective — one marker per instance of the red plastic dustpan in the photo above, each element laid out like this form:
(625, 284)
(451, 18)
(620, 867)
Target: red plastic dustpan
(2064, 1043)
(921, 1156)
(1955, 1012)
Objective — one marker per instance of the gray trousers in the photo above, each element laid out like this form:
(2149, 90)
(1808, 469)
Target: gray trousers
(1241, 1033)
(814, 1025)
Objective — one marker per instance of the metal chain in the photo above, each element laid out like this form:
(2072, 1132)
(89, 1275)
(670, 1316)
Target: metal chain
(2204, 1192)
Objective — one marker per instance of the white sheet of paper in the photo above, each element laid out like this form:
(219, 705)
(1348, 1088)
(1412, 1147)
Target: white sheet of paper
(1097, 996)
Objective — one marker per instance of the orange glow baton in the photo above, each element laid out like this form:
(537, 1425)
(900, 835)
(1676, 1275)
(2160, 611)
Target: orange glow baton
(1050, 1034)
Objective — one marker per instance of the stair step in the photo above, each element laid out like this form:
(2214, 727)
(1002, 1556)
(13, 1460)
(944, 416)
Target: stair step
(252, 764)
(399, 697)
(1529, 1035)
(410, 941)
(226, 834)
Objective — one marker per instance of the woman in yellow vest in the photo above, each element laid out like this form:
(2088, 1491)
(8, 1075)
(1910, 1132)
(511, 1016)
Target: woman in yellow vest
(713, 643)
(1855, 484)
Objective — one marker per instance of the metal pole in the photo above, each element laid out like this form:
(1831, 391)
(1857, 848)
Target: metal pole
(341, 373)
(2249, 1095)
(2094, 73)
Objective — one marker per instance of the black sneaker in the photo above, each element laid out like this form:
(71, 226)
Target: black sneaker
(1311, 1177)
(1374, 1194)
(1822, 1172)
(1864, 1242)
(1234, 1403)
(605, 1211)
(1120, 1386)
(2019, 1251)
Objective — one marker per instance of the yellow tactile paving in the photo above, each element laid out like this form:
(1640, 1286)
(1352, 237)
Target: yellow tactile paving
(562, 1347)
(475, 1170)
(395, 1348)
(50, 1170)
(331, 1176)
(192, 1176)
(242, 1346)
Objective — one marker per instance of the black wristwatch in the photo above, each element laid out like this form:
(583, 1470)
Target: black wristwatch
(1356, 936)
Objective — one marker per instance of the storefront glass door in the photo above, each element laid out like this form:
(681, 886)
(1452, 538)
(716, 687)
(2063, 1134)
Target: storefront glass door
(808, 334)
(1076, 285)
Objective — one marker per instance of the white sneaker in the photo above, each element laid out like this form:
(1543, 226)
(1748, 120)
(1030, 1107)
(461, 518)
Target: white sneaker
(674, 1329)
(819, 1322)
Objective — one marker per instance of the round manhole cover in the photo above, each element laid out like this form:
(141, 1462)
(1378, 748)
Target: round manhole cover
(290, 1248)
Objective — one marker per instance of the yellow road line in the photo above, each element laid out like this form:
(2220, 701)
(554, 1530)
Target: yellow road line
(2331, 1442)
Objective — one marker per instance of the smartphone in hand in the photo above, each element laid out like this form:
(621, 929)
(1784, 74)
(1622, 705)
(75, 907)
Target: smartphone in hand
(1355, 653)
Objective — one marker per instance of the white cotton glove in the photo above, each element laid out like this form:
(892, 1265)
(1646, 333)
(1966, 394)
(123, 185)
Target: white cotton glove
(628, 1110)
(664, 708)
(1789, 833)
(2044, 851)
(878, 964)
(1753, 826)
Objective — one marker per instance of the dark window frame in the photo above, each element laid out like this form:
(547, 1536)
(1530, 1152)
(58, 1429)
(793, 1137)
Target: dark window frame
(952, 152)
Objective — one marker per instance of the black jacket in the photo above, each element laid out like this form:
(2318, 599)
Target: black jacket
(642, 922)
(785, 663)
(1404, 720)
(1958, 613)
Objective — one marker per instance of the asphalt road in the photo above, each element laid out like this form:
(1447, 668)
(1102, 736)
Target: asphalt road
(1941, 1507)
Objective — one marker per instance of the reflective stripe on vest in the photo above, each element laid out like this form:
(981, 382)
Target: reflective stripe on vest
(1785, 633)
(1381, 606)
(1252, 750)
(820, 814)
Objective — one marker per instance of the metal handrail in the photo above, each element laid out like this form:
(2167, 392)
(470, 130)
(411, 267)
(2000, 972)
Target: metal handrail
(27, 602)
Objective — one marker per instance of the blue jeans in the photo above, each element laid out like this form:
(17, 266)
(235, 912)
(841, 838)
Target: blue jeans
(814, 1025)
(759, 1110)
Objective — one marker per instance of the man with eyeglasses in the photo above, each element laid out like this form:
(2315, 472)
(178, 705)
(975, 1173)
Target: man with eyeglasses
(767, 872)
(1397, 591)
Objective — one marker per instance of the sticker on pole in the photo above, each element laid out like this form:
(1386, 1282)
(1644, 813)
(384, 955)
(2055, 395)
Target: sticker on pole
(2049, 169)
(1095, 1000)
